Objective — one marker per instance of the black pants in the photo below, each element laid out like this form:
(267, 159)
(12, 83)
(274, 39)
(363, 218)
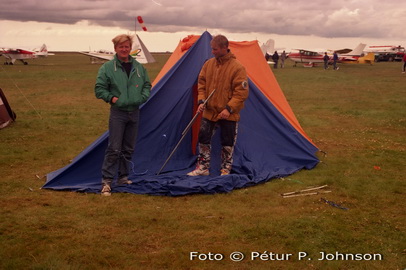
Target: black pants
(228, 131)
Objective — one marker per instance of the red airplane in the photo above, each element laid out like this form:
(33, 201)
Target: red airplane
(12, 55)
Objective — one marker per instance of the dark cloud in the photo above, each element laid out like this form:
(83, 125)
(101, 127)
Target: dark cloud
(347, 18)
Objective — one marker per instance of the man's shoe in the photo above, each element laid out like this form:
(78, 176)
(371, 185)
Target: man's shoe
(225, 172)
(124, 181)
(199, 171)
(106, 190)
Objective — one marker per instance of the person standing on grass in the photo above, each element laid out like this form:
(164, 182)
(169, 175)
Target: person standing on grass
(325, 59)
(335, 59)
(227, 76)
(125, 85)
(283, 58)
(275, 58)
(404, 63)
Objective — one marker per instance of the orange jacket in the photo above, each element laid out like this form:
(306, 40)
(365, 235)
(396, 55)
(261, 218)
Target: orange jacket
(229, 78)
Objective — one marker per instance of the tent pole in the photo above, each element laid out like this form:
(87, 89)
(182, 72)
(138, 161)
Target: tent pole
(185, 131)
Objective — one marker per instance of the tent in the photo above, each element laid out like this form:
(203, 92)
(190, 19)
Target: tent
(7, 115)
(270, 143)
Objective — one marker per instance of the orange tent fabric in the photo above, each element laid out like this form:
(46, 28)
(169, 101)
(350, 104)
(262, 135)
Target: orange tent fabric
(180, 50)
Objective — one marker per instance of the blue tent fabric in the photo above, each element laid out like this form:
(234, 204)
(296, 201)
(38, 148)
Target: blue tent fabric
(267, 145)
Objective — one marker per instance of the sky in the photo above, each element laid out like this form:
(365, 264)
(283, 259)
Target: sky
(83, 25)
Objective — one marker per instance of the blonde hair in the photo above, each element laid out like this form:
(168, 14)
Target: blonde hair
(122, 38)
(220, 40)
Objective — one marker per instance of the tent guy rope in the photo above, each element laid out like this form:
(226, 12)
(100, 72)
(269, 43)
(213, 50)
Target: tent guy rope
(21, 92)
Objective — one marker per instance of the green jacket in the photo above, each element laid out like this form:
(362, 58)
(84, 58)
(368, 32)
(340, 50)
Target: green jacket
(131, 91)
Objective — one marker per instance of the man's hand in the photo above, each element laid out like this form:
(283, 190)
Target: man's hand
(114, 100)
(224, 114)
(201, 108)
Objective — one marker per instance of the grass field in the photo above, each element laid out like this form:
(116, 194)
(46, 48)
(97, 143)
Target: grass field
(355, 115)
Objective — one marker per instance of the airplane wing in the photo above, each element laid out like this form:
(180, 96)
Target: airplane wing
(303, 50)
(41, 54)
(307, 52)
(99, 55)
(17, 51)
(342, 51)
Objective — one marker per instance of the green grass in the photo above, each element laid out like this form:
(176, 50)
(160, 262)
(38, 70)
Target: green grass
(355, 115)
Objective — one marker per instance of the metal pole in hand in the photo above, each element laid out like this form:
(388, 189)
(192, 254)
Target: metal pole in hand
(185, 131)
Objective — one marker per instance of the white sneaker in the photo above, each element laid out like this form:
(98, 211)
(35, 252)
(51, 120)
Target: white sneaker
(199, 171)
(106, 190)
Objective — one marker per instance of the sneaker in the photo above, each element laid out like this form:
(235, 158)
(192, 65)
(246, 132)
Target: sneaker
(199, 171)
(224, 172)
(106, 190)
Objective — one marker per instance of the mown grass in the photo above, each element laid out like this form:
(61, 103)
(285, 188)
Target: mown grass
(355, 115)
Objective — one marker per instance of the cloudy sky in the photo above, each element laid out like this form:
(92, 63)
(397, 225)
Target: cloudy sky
(91, 24)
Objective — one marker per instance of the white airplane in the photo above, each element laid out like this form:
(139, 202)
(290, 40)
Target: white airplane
(139, 52)
(12, 55)
(310, 57)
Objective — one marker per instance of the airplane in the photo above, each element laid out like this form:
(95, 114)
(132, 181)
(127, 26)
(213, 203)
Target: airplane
(387, 52)
(308, 57)
(12, 55)
(139, 52)
(385, 49)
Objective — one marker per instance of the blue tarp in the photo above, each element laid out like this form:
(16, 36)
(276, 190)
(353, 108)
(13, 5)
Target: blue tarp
(267, 145)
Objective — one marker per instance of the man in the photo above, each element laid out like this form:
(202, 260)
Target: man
(224, 74)
(283, 58)
(275, 58)
(326, 58)
(335, 60)
(404, 63)
(124, 83)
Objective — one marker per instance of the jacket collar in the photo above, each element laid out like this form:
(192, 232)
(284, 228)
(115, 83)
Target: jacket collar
(130, 58)
(225, 58)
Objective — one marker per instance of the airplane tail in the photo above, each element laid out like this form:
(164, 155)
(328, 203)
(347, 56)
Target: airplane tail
(43, 51)
(268, 47)
(358, 50)
(43, 48)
